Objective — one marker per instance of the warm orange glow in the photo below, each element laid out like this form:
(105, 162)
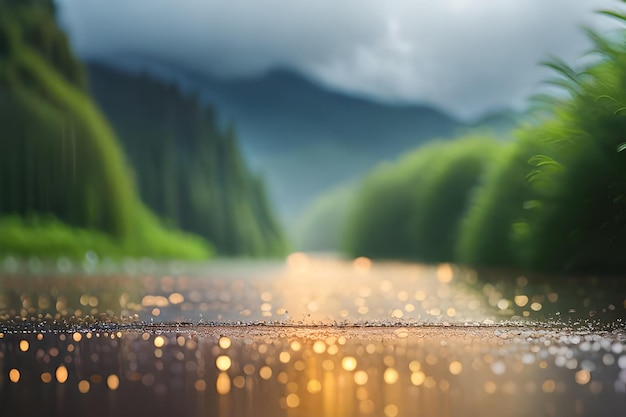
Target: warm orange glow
(455, 367)
(360, 378)
(521, 300)
(314, 386)
(77, 337)
(223, 363)
(319, 347)
(348, 363)
(176, 298)
(292, 400)
(418, 378)
(391, 410)
(24, 345)
(159, 341)
(390, 376)
(295, 346)
(222, 385)
(284, 357)
(224, 342)
(14, 375)
(582, 377)
(46, 377)
(154, 301)
(61, 374)
(444, 273)
(265, 372)
(83, 387)
(113, 382)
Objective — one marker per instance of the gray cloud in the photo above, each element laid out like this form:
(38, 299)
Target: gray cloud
(465, 56)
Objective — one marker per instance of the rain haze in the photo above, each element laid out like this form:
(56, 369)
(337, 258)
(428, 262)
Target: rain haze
(465, 57)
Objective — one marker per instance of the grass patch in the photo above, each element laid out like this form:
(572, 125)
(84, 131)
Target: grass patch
(47, 237)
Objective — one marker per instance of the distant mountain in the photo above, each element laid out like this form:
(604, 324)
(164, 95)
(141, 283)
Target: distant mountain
(305, 138)
(188, 170)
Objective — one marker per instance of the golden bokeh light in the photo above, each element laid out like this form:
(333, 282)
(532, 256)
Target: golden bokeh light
(176, 298)
(391, 410)
(455, 367)
(24, 345)
(61, 374)
(390, 376)
(113, 382)
(14, 375)
(159, 342)
(582, 377)
(265, 372)
(319, 347)
(314, 386)
(360, 377)
(224, 342)
(418, 378)
(223, 363)
(222, 384)
(521, 300)
(200, 385)
(349, 363)
(284, 357)
(292, 400)
(84, 386)
(46, 377)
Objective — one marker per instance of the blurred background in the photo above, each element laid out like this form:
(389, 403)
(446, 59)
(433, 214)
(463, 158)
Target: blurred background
(395, 130)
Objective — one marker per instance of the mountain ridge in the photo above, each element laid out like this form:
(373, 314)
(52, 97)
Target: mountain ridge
(295, 131)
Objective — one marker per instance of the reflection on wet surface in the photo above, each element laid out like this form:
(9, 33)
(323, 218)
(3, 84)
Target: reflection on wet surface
(307, 371)
(309, 337)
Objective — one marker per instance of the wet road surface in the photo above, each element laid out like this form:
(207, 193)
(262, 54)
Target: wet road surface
(312, 336)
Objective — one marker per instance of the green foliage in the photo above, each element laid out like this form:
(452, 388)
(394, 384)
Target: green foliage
(582, 222)
(47, 237)
(188, 170)
(556, 203)
(58, 155)
(555, 200)
(412, 209)
(494, 219)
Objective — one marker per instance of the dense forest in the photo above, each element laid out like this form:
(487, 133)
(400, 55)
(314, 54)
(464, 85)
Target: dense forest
(187, 170)
(552, 200)
(66, 184)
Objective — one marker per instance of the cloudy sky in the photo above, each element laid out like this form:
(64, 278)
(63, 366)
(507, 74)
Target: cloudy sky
(465, 56)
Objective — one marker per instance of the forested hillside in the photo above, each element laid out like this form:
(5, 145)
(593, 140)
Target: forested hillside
(65, 179)
(188, 170)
